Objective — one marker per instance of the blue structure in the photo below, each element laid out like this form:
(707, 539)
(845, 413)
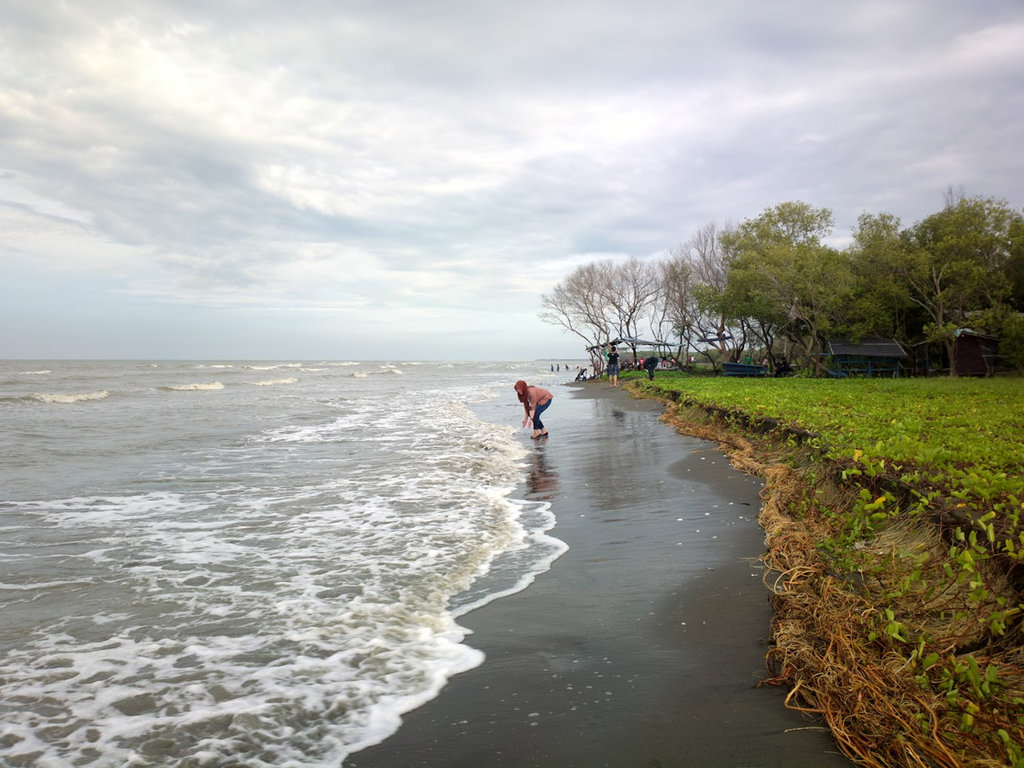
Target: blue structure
(744, 369)
(870, 358)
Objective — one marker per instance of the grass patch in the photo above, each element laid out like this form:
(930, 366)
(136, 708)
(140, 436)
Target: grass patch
(893, 516)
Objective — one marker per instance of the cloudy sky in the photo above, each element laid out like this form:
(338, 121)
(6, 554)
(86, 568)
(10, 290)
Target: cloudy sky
(403, 179)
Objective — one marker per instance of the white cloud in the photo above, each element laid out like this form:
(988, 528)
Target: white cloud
(431, 169)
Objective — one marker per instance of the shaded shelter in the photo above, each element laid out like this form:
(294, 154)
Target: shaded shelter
(868, 357)
(596, 351)
(976, 353)
(660, 347)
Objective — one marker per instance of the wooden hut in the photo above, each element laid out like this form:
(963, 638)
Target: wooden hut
(869, 357)
(976, 353)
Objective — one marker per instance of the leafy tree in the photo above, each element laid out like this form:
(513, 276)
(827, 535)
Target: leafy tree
(773, 278)
(1015, 264)
(1011, 343)
(957, 262)
(749, 298)
(781, 269)
(879, 305)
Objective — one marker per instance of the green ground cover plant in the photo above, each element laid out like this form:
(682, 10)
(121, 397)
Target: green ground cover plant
(914, 492)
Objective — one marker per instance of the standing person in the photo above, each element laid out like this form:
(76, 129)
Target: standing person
(535, 400)
(613, 367)
(650, 364)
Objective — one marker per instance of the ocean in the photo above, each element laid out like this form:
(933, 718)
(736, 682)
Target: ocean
(249, 563)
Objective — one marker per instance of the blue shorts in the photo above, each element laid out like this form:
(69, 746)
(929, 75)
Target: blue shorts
(613, 369)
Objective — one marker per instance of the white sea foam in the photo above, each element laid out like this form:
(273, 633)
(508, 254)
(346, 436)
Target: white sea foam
(197, 387)
(37, 585)
(273, 382)
(58, 398)
(272, 366)
(35, 373)
(266, 598)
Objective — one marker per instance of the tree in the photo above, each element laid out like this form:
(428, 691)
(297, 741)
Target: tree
(603, 300)
(1011, 343)
(1015, 264)
(576, 305)
(676, 306)
(713, 322)
(630, 293)
(958, 262)
(879, 304)
(781, 271)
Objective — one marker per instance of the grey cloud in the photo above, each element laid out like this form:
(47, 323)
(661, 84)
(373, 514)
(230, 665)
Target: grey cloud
(252, 150)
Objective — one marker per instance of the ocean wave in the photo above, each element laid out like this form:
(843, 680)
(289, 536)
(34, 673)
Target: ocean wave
(33, 586)
(272, 382)
(208, 385)
(60, 398)
(303, 580)
(34, 373)
(272, 366)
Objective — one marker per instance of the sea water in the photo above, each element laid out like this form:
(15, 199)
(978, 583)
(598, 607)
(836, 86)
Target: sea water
(259, 564)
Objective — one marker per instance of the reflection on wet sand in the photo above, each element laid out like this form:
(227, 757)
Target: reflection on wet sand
(542, 482)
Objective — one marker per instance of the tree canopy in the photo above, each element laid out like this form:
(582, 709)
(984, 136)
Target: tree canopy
(774, 286)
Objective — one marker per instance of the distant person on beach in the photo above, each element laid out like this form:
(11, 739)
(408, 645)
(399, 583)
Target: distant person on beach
(535, 400)
(613, 367)
(650, 364)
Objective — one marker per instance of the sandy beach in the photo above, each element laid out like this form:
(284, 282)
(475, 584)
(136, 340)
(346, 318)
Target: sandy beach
(643, 644)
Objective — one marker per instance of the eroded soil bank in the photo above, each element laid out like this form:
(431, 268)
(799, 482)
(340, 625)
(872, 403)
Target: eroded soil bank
(849, 628)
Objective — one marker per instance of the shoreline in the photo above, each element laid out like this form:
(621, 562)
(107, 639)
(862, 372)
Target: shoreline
(643, 644)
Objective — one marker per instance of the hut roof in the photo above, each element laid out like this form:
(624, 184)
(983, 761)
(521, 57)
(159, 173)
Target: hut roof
(888, 348)
(631, 342)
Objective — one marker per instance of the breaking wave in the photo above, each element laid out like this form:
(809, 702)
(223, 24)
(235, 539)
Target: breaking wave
(209, 385)
(58, 398)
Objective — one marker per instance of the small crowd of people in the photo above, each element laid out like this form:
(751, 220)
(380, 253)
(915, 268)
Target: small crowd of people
(649, 364)
(536, 400)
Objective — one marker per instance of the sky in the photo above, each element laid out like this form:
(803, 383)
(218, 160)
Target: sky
(404, 179)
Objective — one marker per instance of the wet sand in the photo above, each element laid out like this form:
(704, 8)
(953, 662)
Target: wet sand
(643, 644)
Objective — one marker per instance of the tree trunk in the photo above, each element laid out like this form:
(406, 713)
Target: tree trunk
(951, 354)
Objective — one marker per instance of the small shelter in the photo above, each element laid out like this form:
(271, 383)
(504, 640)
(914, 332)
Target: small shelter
(597, 351)
(976, 353)
(869, 357)
(634, 344)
